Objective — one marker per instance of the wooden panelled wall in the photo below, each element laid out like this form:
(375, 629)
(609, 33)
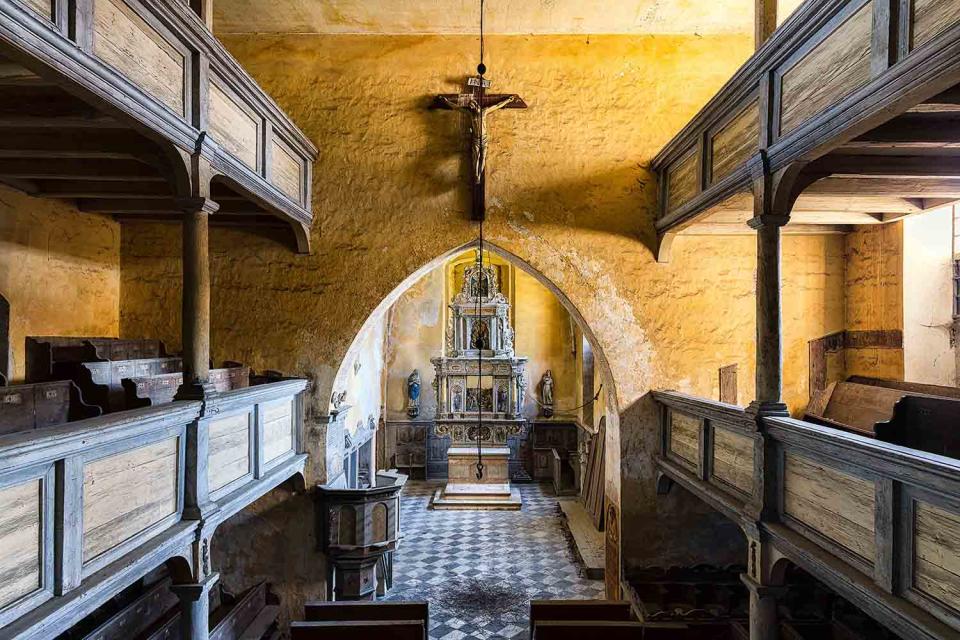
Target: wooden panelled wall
(136, 42)
(823, 69)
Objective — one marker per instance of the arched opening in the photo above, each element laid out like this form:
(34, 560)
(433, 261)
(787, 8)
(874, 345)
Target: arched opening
(399, 388)
(4, 340)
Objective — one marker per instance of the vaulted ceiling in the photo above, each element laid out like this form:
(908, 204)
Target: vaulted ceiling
(503, 16)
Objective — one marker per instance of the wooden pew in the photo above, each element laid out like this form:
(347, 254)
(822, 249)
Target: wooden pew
(582, 629)
(101, 383)
(359, 630)
(44, 353)
(136, 619)
(894, 412)
(327, 611)
(35, 406)
(560, 610)
(160, 389)
(251, 616)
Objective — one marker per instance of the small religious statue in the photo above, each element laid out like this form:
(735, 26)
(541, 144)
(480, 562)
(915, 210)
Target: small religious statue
(337, 399)
(413, 394)
(457, 403)
(502, 399)
(480, 335)
(546, 393)
(480, 139)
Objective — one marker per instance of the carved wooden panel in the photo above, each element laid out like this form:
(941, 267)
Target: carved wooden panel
(733, 459)
(933, 17)
(834, 68)
(733, 144)
(346, 526)
(126, 493)
(685, 437)
(229, 450)
(125, 41)
(683, 178)
(936, 547)
(728, 384)
(43, 7)
(286, 171)
(21, 523)
(277, 429)
(378, 525)
(835, 504)
(233, 126)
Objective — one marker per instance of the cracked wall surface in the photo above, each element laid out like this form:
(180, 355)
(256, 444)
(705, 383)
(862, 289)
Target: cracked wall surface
(570, 195)
(59, 270)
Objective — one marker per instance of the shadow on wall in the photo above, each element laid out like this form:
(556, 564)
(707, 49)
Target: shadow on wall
(683, 530)
(273, 540)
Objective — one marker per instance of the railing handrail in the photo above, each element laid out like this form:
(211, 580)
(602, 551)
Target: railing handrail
(54, 443)
(259, 392)
(882, 457)
(703, 407)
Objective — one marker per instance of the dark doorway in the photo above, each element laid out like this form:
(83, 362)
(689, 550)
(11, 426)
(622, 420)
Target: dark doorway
(4, 341)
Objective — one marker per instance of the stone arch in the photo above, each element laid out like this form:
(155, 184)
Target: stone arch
(601, 362)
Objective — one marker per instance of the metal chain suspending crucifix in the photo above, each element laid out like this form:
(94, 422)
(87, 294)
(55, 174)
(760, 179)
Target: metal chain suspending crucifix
(477, 104)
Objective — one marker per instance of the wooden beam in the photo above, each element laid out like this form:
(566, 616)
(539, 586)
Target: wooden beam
(128, 205)
(764, 21)
(903, 187)
(72, 169)
(59, 123)
(914, 129)
(902, 166)
(90, 189)
(946, 102)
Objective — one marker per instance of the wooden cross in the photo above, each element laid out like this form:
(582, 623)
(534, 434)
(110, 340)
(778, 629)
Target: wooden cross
(477, 104)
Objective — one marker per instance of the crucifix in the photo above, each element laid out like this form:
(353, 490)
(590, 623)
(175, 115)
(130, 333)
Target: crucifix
(477, 105)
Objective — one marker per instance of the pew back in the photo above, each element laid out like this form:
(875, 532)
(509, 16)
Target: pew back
(101, 383)
(44, 353)
(561, 610)
(328, 611)
(35, 406)
(359, 630)
(161, 389)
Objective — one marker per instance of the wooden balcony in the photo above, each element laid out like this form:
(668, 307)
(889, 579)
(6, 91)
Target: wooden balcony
(876, 522)
(132, 107)
(89, 507)
(852, 104)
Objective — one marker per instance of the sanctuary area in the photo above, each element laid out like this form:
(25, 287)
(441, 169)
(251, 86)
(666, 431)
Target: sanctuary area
(479, 319)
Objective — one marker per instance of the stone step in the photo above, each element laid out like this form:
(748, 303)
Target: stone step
(511, 502)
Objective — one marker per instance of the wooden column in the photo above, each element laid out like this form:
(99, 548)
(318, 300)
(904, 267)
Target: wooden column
(765, 21)
(195, 316)
(195, 608)
(769, 351)
(763, 609)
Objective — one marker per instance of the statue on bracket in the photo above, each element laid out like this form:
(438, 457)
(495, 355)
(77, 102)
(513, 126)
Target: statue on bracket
(546, 393)
(413, 394)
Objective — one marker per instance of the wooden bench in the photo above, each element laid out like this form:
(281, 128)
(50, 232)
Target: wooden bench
(585, 629)
(101, 383)
(562, 610)
(892, 411)
(359, 630)
(250, 616)
(46, 404)
(44, 353)
(138, 617)
(161, 389)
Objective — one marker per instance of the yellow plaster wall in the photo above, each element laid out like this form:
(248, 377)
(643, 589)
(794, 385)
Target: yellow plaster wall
(874, 296)
(59, 270)
(570, 195)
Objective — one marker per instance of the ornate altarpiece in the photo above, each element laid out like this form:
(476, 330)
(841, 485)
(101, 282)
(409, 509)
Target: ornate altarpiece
(479, 349)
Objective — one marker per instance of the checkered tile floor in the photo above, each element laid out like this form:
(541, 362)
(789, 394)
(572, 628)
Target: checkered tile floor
(479, 569)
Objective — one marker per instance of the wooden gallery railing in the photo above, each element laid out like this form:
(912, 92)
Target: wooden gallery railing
(157, 64)
(878, 523)
(88, 507)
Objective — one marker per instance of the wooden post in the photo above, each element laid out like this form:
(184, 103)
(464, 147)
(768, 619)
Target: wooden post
(765, 21)
(763, 609)
(196, 298)
(195, 608)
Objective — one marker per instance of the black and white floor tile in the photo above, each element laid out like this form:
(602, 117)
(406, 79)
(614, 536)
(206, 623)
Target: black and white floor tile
(480, 569)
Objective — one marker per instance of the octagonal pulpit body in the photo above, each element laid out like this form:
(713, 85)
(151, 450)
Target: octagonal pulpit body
(359, 531)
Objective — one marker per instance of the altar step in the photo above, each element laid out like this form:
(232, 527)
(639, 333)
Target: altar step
(491, 497)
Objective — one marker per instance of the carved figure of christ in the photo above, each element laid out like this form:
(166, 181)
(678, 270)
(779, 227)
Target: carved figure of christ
(477, 106)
